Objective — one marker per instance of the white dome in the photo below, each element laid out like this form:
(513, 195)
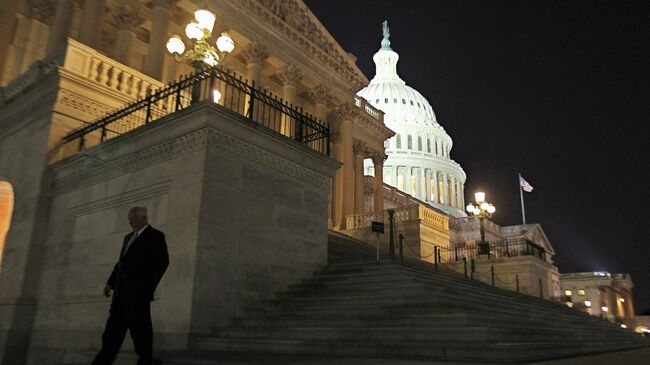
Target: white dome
(419, 161)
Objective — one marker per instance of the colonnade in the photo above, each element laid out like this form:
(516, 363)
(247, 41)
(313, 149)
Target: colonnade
(426, 184)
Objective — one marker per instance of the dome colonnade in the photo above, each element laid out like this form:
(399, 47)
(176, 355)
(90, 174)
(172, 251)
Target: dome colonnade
(419, 161)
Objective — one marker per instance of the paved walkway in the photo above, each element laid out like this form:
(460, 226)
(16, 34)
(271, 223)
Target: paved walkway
(630, 357)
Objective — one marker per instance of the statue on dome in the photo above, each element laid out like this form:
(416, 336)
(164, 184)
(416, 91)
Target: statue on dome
(385, 43)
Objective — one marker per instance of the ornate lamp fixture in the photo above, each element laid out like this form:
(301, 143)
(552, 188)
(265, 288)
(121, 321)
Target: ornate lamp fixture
(200, 34)
(202, 51)
(482, 210)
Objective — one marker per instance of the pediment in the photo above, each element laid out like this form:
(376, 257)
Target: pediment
(536, 235)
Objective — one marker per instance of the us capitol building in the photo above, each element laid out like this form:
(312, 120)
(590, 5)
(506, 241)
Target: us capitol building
(253, 168)
(419, 161)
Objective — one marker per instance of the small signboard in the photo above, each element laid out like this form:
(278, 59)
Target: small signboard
(378, 227)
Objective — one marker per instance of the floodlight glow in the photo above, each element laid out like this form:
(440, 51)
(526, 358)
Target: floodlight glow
(605, 309)
(225, 43)
(587, 303)
(622, 300)
(175, 45)
(205, 18)
(194, 31)
(216, 96)
(623, 326)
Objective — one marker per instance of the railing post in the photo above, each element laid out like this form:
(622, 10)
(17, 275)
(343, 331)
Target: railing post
(148, 98)
(435, 257)
(492, 272)
(103, 137)
(472, 269)
(465, 266)
(517, 282)
(541, 291)
(401, 248)
(251, 101)
(391, 238)
(82, 140)
(178, 96)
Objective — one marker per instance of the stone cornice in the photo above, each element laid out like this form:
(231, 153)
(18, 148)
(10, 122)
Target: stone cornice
(374, 126)
(255, 53)
(293, 20)
(321, 94)
(127, 17)
(87, 168)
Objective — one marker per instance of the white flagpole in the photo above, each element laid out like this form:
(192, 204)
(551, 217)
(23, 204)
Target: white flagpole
(521, 195)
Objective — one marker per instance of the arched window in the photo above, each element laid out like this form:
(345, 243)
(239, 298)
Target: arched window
(428, 145)
(419, 143)
(6, 210)
(398, 143)
(409, 142)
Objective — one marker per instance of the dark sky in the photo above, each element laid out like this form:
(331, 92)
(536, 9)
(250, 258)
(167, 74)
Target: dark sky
(557, 90)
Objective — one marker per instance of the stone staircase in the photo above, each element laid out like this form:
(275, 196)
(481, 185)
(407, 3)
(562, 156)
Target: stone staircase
(368, 309)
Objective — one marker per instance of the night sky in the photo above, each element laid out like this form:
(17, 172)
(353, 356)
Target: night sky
(557, 90)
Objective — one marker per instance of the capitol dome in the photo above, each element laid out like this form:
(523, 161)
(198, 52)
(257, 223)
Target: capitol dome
(419, 161)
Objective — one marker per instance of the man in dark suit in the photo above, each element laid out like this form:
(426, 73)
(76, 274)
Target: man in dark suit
(142, 263)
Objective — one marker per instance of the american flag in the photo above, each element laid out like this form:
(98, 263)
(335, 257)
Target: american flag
(525, 185)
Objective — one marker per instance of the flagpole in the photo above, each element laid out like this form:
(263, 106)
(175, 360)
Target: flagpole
(521, 195)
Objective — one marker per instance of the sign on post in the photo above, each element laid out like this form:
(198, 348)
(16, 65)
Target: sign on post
(378, 227)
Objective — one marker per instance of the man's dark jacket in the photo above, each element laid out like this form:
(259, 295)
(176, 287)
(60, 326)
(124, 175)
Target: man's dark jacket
(140, 269)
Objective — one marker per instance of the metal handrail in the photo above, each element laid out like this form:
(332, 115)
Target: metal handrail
(255, 104)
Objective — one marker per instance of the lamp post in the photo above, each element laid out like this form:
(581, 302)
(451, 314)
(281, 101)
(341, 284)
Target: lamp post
(202, 51)
(482, 210)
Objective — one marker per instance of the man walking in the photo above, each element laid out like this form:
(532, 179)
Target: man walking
(142, 263)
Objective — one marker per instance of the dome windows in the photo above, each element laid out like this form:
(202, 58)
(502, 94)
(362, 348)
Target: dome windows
(398, 141)
(409, 142)
(419, 143)
(386, 100)
(404, 101)
(394, 100)
(428, 145)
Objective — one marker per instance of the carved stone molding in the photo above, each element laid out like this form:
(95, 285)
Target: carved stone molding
(335, 135)
(290, 75)
(43, 10)
(167, 4)
(378, 158)
(321, 94)
(292, 19)
(82, 103)
(255, 53)
(347, 111)
(360, 147)
(127, 17)
(181, 145)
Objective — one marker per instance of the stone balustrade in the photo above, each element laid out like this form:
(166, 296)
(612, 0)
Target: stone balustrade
(408, 213)
(375, 113)
(101, 70)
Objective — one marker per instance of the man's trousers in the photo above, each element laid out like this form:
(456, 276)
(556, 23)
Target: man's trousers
(128, 312)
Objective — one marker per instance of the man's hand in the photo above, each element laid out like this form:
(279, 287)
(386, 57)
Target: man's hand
(107, 290)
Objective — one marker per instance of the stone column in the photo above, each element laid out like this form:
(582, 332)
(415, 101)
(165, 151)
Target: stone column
(90, 31)
(62, 24)
(290, 76)
(127, 19)
(7, 24)
(338, 221)
(378, 159)
(454, 192)
(445, 190)
(255, 54)
(154, 62)
(348, 113)
(418, 182)
(360, 149)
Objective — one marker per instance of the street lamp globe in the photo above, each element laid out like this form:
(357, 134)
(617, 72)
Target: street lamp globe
(175, 45)
(205, 18)
(225, 43)
(480, 197)
(194, 31)
(470, 208)
(485, 205)
(491, 209)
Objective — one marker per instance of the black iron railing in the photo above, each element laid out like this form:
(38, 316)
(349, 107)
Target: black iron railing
(255, 104)
(502, 248)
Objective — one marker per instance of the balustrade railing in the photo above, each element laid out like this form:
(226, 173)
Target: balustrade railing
(236, 95)
(369, 109)
(503, 248)
(403, 214)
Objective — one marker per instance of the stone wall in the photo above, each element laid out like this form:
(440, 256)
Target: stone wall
(244, 211)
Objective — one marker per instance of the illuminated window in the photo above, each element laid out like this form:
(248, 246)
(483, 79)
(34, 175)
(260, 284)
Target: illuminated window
(400, 182)
(398, 143)
(432, 183)
(6, 210)
(567, 292)
(441, 192)
(414, 187)
(581, 292)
